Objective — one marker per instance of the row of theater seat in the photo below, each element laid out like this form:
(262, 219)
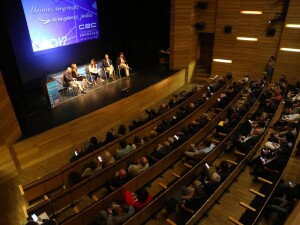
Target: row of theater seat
(72, 189)
(86, 216)
(46, 184)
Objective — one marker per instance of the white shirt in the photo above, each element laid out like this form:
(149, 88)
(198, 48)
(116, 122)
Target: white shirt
(93, 69)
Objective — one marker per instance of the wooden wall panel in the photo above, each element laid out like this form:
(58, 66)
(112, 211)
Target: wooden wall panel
(247, 57)
(62, 138)
(206, 15)
(9, 133)
(288, 63)
(180, 33)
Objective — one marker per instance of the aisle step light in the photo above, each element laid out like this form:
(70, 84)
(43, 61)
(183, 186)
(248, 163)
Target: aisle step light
(223, 60)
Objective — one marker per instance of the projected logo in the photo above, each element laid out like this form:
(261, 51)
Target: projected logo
(56, 23)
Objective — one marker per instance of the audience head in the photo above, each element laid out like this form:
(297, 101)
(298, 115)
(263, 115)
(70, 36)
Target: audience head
(215, 178)
(142, 195)
(94, 141)
(206, 142)
(123, 144)
(261, 124)
(122, 173)
(69, 70)
(137, 140)
(204, 116)
(123, 209)
(166, 144)
(93, 165)
(224, 165)
(163, 106)
(74, 66)
(93, 61)
(107, 158)
(195, 89)
(171, 140)
(144, 161)
(110, 136)
(122, 129)
(191, 106)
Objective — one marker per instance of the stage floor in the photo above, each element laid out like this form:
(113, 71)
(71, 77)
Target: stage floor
(99, 96)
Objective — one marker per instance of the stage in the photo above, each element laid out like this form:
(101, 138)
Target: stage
(41, 118)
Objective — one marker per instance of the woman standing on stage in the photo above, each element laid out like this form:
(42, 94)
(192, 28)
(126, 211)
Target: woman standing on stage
(78, 76)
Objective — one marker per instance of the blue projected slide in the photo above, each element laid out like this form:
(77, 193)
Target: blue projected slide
(56, 23)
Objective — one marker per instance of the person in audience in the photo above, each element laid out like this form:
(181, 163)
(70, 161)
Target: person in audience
(160, 151)
(78, 153)
(137, 142)
(121, 130)
(79, 77)
(108, 66)
(165, 125)
(290, 132)
(138, 200)
(137, 168)
(203, 120)
(69, 80)
(117, 214)
(222, 170)
(93, 70)
(271, 165)
(93, 145)
(209, 181)
(222, 102)
(192, 92)
(107, 159)
(109, 138)
(200, 150)
(122, 63)
(73, 178)
(120, 178)
(190, 200)
(90, 169)
(124, 150)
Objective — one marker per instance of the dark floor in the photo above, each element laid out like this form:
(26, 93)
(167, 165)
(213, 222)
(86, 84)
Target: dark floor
(40, 118)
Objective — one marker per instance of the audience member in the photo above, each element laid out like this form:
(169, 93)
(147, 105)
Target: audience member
(117, 181)
(107, 159)
(137, 168)
(138, 200)
(117, 214)
(124, 150)
(200, 150)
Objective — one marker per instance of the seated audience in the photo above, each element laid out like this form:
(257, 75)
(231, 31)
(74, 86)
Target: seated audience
(78, 153)
(137, 142)
(138, 200)
(117, 181)
(124, 150)
(109, 138)
(137, 168)
(93, 145)
(121, 131)
(117, 214)
(90, 169)
(190, 200)
(73, 178)
(160, 151)
(200, 150)
(107, 159)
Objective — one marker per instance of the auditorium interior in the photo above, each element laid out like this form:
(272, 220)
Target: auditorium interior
(194, 66)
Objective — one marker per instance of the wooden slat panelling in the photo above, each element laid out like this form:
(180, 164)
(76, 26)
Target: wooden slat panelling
(288, 62)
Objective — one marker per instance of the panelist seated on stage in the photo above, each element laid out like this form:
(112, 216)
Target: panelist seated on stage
(79, 77)
(122, 63)
(93, 70)
(72, 82)
(108, 66)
